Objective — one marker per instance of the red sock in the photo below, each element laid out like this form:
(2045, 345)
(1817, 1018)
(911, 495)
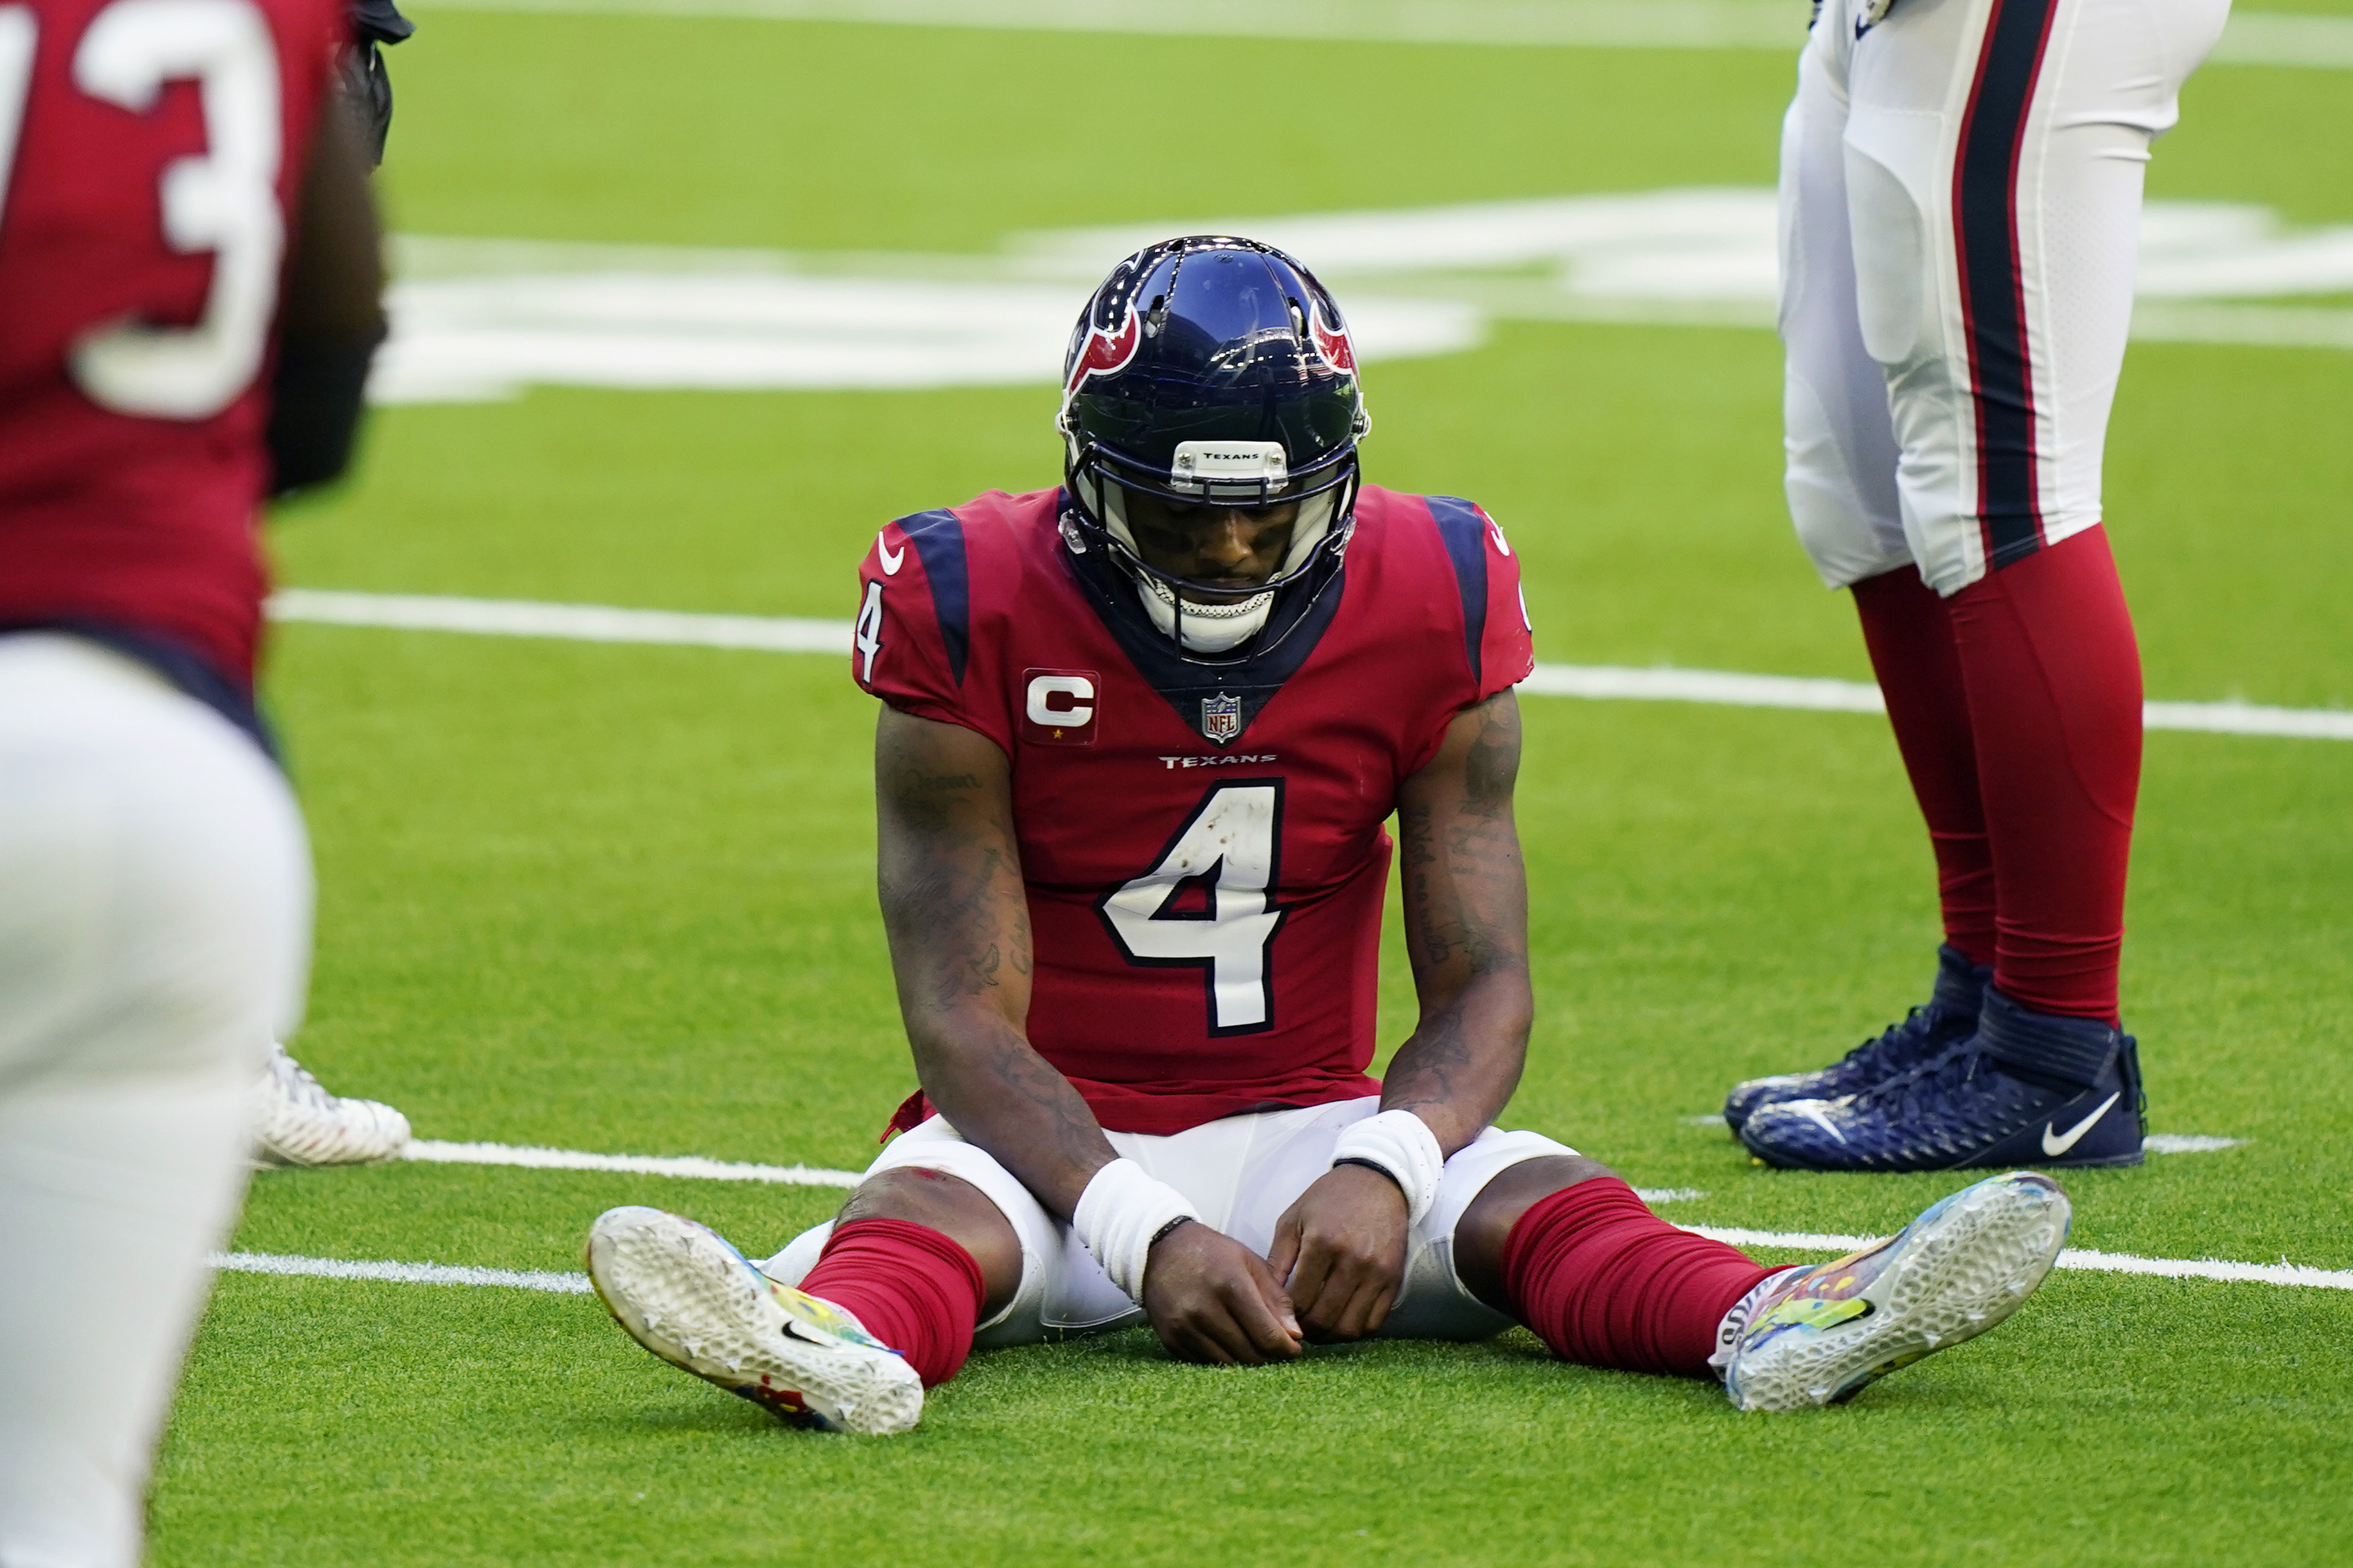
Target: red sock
(915, 1289)
(1909, 632)
(2053, 673)
(1604, 1281)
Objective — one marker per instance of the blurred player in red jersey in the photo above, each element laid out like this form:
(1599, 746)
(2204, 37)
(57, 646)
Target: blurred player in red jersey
(1140, 735)
(1960, 194)
(154, 883)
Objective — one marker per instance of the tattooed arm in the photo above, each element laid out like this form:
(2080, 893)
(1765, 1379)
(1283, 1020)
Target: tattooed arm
(1340, 1249)
(1466, 929)
(958, 920)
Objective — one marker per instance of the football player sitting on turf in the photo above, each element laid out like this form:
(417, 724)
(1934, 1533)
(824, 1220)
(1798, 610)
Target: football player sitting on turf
(1138, 740)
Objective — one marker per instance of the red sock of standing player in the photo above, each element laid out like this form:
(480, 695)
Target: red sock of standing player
(915, 1289)
(1909, 631)
(2046, 649)
(1605, 1282)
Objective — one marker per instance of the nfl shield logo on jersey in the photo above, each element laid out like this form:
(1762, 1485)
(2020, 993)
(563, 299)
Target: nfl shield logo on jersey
(1221, 718)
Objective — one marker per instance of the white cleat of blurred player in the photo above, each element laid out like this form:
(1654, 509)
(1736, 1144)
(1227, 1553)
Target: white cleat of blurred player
(1817, 1336)
(686, 1295)
(297, 1123)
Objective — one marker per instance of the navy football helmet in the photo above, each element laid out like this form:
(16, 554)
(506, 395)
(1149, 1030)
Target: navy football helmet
(1211, 371)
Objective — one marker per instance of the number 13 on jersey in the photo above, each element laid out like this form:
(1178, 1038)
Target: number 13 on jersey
(1208, 904)
(222, 202)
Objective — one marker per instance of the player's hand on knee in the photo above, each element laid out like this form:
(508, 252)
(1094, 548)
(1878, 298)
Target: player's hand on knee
(1211, 1299)
(1340, 1251)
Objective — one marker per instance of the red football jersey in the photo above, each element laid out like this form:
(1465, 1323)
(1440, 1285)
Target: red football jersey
(148, 152)
(1202, 845)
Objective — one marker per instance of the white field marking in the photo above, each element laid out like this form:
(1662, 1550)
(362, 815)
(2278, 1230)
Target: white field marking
(1615, 682)
(477, 319)
(691, 1166)
(694, 1167)
(398, 1273)
(1695, 245)
(2073, 1258)
(2257, 38)
(2187, 1143)
(787, 633)
(575, 623)
(640, 327)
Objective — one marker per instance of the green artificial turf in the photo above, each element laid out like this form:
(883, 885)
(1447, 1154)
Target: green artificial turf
(619, 898)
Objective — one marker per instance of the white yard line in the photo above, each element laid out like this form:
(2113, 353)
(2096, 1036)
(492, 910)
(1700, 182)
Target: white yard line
(691, 1166)
(399, 1273)
(793, 634)
(2252, 38)
(699, 1168)
(572, 623)
(2187, 1143)
(2073, 1258)
(392, 1272)
(694, 1167)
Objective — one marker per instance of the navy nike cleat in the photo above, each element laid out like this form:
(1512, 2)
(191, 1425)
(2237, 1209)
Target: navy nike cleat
(1949, 1017)
(2026, 1089)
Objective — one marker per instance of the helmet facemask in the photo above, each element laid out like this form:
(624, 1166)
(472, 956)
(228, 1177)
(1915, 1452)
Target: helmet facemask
(1203, 617)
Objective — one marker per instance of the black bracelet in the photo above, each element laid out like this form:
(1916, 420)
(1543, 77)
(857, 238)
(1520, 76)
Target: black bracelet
(1371, 1165)
(1164, 1230)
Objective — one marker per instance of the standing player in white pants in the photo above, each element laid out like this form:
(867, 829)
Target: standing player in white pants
(154, 883)
(1960, 201)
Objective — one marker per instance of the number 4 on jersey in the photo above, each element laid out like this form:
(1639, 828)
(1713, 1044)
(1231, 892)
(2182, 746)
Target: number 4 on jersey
(1224, 857)
(866, 636)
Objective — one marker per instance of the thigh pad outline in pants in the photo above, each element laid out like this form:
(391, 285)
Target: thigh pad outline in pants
(1241, 1172)
(1838, 439)
(1993, 159)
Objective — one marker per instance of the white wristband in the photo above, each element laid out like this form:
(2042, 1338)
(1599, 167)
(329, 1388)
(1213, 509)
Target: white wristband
(1402, 1144)
(1118, 1215)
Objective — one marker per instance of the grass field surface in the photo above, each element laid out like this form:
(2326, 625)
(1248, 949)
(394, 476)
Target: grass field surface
(619, 899)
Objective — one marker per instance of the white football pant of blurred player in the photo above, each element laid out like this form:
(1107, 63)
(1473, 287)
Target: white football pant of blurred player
(154, 929)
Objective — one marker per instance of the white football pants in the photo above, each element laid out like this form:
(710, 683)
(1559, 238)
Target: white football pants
(1241, 1172)
(1960, 214)
(154, 926)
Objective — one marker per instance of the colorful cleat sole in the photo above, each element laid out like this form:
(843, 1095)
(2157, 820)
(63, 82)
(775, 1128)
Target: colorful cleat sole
(678, 1290)
(1964, 1264)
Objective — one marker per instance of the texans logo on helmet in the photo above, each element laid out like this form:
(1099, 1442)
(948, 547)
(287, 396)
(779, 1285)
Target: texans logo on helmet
(1105, 352)
(1332, 343)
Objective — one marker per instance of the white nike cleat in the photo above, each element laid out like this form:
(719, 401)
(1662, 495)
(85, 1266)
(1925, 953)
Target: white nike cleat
(297, 1123)
(1820, 1334)
(682, 1292)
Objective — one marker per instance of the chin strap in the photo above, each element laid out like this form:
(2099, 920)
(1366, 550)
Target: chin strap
(1206, 628)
